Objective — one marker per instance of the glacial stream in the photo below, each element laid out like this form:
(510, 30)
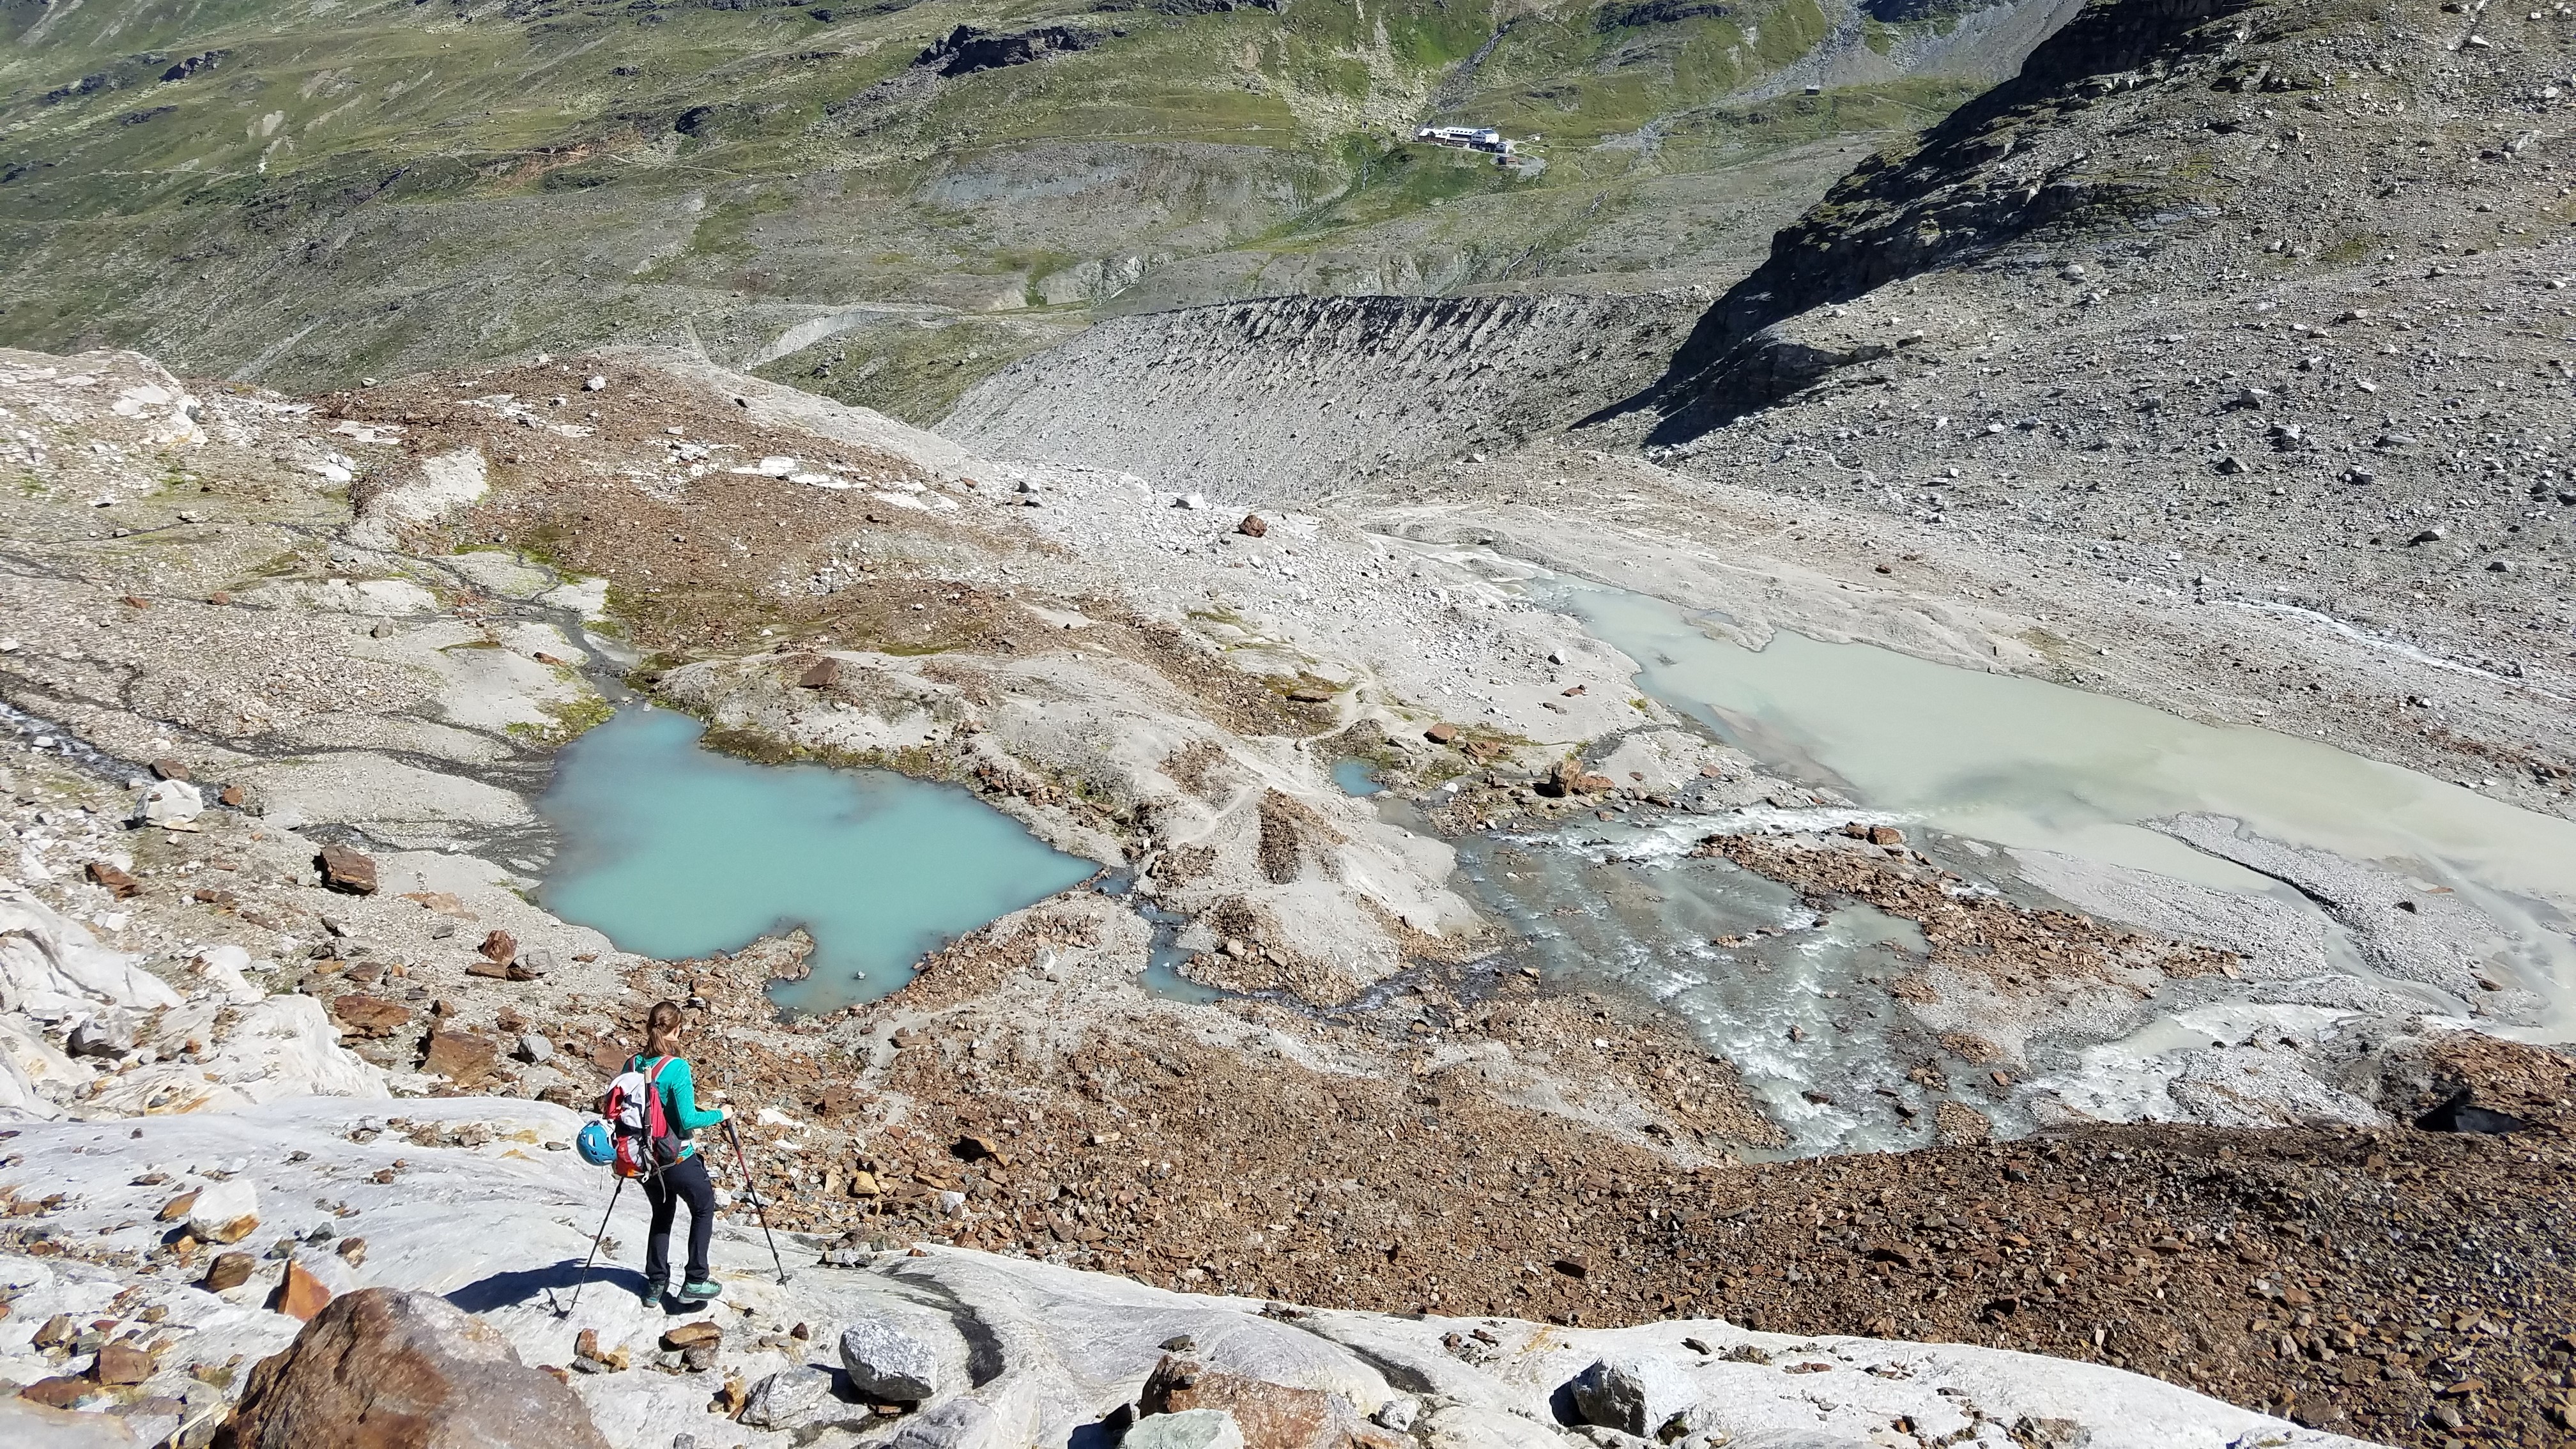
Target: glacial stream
(1991, 760)
(675, 852)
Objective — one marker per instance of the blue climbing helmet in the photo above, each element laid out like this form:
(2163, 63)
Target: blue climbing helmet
(594, 1145)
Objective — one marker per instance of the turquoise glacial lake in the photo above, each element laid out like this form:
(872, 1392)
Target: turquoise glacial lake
(674, 851)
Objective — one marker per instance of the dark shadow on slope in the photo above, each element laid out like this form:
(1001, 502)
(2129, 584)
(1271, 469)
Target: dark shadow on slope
(521, 1285)
(1907, 211)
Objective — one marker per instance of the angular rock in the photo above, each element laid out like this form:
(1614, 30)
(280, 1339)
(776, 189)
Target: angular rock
(347, 870)
(119, 882)
(370, 1016)
(31, 1418)
(1635, 1395)
(534, 1050)
(1252, 526)
(61, 1391)
(227, 1271)
(225, 1212)
(178, 1208)
(461, 1058)
(166, 768)
(121, 1363)
(887, 1363)
(1188, 1429)
(693, 1335)
(55, 1331)
(787, 1398)
(171, 802)
(299, 1295)
(1269, 1416)
(500, 948)
(102, 1036)
(396, 1370)
(823, 673)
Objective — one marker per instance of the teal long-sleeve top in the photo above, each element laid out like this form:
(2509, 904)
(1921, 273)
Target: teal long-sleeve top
(680, 1098)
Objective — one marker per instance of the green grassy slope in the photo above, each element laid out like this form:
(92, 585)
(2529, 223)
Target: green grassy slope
(320, 191)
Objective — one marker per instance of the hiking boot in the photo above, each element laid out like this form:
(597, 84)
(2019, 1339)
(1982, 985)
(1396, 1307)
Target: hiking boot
(650, 1295)
(699, 1292)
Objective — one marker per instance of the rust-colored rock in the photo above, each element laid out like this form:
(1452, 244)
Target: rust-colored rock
(166, 768)
(461, 1058)
(370, 1016)
(120, 883)
(1441, 734)
(231, 795)
(56, 1331)
(121, 1363)
(693, 1335)
(1272, 1416)
(299, 1295)
(178, 1207)
(823, 673)
(228, 1270)
(353, 1251)
(394, 1370)
(500, 948)
(59, 1392)
(1252, 526)
(350, 871)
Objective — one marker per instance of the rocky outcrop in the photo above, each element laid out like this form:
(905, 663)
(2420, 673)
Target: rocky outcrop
(405, 1371)
(1292, 395)
(967, 50)
(1970, 184)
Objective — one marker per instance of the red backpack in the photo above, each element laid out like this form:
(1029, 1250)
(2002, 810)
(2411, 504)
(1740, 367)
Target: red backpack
(637, 1124)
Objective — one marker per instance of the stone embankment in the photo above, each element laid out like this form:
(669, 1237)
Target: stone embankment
(1290, 396)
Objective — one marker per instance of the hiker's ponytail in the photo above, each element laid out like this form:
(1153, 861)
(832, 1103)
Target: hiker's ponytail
(660, 1025)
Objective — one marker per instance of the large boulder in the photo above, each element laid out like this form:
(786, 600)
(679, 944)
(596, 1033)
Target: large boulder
(395, 1370)
(1265, 1415)
(787, 1398)
(887, 1363)
(1633, 1394)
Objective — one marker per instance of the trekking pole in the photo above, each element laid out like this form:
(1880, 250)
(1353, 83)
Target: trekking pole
(753, 1189)
(595, 1238)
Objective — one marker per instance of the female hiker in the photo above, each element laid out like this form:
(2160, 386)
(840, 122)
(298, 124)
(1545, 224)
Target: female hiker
(685, 1178)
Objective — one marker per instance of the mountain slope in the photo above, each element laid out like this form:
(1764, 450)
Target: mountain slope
(2244, 305)
(375, 186)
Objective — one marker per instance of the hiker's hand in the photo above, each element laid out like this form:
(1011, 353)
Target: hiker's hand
(724, 1114)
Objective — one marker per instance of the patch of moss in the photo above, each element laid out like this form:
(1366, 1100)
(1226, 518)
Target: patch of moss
(569, 721)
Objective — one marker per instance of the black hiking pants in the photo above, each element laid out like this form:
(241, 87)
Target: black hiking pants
(686, 1180)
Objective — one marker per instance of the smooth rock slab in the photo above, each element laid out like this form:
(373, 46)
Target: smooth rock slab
(887, 1363)
(957, 1424)
(395, 1370)
(1188, 1429)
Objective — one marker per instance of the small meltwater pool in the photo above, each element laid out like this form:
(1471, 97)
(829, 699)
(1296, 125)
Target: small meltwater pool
(674, 851)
